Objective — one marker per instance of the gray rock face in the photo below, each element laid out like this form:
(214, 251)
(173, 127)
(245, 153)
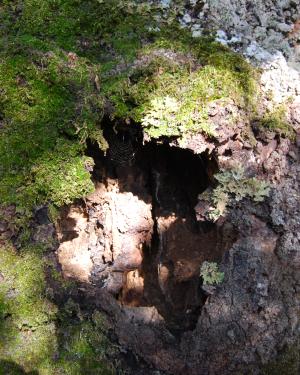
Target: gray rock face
(273, 25)
(266, 32)
(255, 312)
(286, 216)
(247, 320)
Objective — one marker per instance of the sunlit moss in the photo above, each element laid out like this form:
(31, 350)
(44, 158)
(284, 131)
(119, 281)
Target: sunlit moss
(170, 90)
(52, 56)
(61, 178)
(44, 101)
(27, 316)
(61, 62)
(276, 120)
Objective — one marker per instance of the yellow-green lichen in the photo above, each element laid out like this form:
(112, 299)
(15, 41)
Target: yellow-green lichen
(210, 273)
(233, 186)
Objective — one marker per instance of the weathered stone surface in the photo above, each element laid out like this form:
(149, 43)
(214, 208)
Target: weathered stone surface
(248, 319)
(264, 31)
(285, 215)
(73, 252)
(273, 25)
(109, 233)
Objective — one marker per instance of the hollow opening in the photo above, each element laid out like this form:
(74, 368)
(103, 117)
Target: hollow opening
(139, 228)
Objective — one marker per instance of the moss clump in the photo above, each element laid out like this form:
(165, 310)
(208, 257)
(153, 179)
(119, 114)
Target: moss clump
(26, 315)
(169, 92)
(62, 178)
(53, 54)
(276, 120)
(61, 62)
(83, 27)
(83, 349)
(35, 335)
(49, 106)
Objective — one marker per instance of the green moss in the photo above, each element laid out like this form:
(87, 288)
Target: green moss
(52, 52)
(50, 106)
(276, 120)
(170, 93)
(84, 27)
(34, 333)
(27, 317)
(83, 349)
(287, 363)
(61, 62)
(62, 178)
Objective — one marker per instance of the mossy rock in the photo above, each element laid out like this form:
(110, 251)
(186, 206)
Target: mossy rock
(287, 363)
(276, 120)
(37, 336)
(62, 62)
(168, 90)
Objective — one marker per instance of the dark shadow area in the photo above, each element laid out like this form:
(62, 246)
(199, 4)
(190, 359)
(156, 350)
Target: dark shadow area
(170, 180)
(184, 172)
(11, 368)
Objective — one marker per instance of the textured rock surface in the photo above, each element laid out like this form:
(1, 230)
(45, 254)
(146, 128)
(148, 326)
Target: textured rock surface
(266, 32)
(246, 321)
(272, 25)
(253, 315)
(135, 246)
(105, 239)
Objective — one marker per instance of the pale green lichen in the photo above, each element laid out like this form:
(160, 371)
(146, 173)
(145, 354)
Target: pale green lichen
(210, 273)
(234, 185)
